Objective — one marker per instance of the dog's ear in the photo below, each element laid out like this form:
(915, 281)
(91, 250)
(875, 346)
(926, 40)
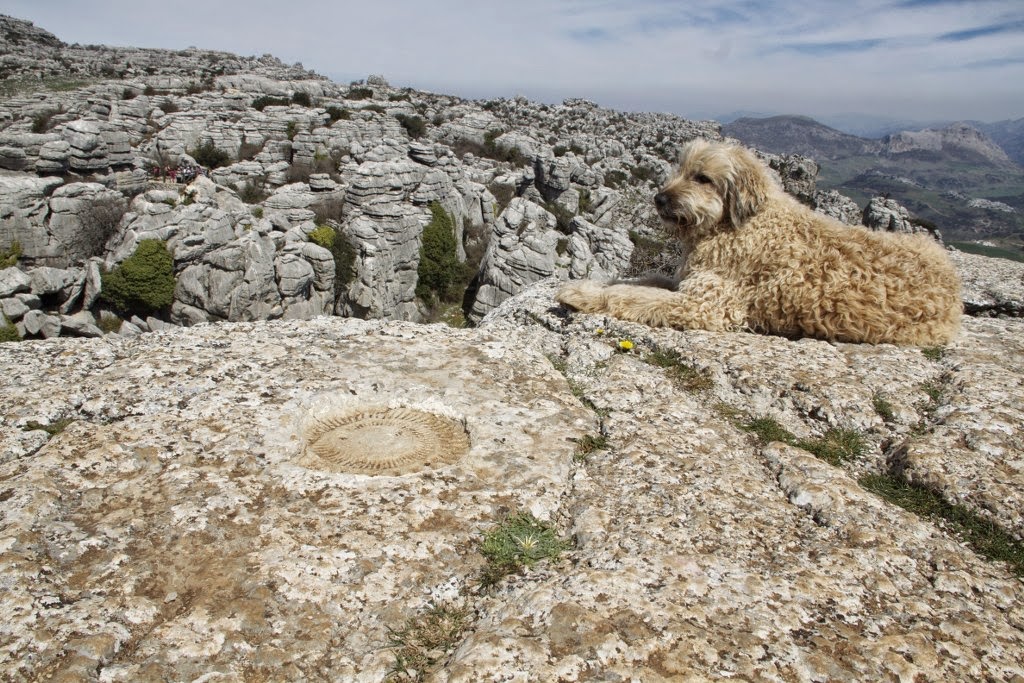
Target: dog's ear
(748, 187)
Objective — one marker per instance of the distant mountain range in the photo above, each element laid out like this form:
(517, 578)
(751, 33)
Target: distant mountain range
(965, 177)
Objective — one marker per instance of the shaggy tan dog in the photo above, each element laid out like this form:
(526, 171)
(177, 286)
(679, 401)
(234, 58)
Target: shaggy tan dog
(756, 259)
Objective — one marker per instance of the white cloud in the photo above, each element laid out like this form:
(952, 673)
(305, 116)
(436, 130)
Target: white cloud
(881, 56)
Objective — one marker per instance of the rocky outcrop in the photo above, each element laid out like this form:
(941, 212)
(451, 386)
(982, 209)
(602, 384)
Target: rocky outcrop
(958, 138)
(189, 514)
(888, 215)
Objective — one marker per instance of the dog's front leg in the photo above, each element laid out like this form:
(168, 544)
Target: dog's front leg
(704, 302)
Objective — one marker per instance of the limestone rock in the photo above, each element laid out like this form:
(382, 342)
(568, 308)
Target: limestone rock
(523, 249)
(37, 322)
(990, 286)
(81, 324)
(890, 216)
(24, 213)
(835, 205)
(193, 518)
(12, 281)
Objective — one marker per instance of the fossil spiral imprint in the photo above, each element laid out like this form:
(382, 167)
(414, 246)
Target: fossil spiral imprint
(384, 441)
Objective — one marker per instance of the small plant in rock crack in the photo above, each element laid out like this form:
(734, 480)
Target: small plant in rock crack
(686, 376)
(987, 538)
(836, 446)
(520, 541)
(53, 429)
(588, 444)
(933, 353)
(883, 408)
(425, 640)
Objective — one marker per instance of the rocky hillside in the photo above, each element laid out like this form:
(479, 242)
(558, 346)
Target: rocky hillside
(285, 491)
(798, 135)
(954, 177)
(1009, 135)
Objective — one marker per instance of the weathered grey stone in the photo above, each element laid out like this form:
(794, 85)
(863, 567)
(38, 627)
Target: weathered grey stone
(523, 249)
(81, 324)
(36, 322)
(597, 252)
(991, 286)
(24, 213)
(681, 523)
(14, 280)
(840, 207)
(54, 157)
(47, 281)
(88, 152)
(13, 308)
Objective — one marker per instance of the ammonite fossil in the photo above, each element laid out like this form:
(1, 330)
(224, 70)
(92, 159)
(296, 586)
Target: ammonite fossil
(383, 441)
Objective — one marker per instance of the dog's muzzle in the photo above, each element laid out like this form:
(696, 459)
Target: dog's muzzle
(663, 205)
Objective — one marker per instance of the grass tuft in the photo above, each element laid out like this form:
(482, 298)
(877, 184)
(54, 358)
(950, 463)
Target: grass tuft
(883, 408)
(588, 444)
(53, 429)
(836, 446)
(520, 541)
(684, 375)
(426, 640)
(985, 537)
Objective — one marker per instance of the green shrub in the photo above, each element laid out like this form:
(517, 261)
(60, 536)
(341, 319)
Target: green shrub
(8, 331)
(41, 122)
(251, 192)
(302, 99)
(248, 150)
(143, 283)
(264, 101)
(615, 179)
(440, 275)
(563, 217)
(210, 156)
(360, 94)
(343, 252)
(414, 125)
(10, 256)
(644, 174)
(108, 322)
(338, 114)
(497, 152)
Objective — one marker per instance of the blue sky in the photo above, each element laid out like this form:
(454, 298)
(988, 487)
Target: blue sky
(916, 59)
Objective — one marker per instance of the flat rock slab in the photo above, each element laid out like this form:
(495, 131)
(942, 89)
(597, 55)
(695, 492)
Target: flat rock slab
(266, 501)
(194, 519)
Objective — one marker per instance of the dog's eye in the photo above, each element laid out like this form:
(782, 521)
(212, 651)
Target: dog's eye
(702, 179)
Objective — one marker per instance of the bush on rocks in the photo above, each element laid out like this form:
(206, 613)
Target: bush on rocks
(440, 274)
(143, 283)
(343, 252)
(210, 156)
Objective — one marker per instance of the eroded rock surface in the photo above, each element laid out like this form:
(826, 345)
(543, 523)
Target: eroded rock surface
(180, 526)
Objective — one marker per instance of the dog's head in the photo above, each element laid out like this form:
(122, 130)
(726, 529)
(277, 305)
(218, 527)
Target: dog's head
(717, 186)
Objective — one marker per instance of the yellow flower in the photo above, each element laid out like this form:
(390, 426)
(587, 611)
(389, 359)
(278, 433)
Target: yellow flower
(599, 331)
(625, 345)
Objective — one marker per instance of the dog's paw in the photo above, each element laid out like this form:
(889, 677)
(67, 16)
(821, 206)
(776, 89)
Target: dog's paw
(585, 296)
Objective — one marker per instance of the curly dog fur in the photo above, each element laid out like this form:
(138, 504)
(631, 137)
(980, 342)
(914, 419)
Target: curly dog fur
(757, 259)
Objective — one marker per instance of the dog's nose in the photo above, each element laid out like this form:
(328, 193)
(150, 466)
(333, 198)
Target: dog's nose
(661, 200)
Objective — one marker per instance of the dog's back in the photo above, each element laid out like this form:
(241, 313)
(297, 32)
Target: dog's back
(824, 279)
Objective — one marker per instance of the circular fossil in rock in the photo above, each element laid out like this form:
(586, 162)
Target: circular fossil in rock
(383, 441)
